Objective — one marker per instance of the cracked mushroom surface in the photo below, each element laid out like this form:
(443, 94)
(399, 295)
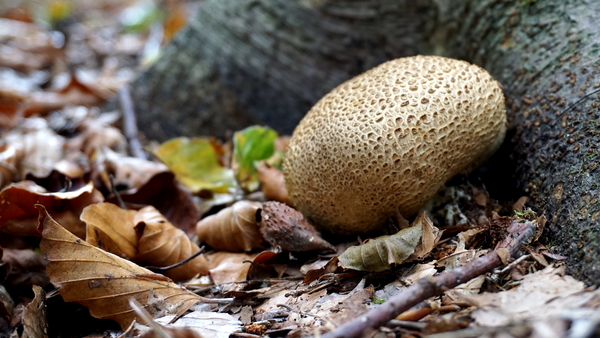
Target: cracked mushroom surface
(390, 138)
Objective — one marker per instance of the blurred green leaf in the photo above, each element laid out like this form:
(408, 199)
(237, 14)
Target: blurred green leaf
(141, 16)
(195, 164)
(252, 144)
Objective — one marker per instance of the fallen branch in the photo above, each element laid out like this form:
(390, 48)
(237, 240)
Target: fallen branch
(130, 124)
(428, 287)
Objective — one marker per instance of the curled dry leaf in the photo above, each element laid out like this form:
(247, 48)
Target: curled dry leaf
(104, 282)
(272, 183)
(110, 228)
(34, 315)
(18, 215)
(282, 225)
(380, 253)
(162, 244)
(232, 229)
(430, 238)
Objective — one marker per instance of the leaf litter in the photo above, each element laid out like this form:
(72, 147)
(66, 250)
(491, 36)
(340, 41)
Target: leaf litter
(118, 229)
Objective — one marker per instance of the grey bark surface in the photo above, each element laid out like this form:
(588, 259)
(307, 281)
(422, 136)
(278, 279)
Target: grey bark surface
(545, 53)
(244, 62)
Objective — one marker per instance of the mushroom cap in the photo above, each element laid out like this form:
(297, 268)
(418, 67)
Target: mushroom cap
(389, 138)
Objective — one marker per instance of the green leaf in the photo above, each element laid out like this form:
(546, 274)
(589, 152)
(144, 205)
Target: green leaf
(195, 164)
(252, 144)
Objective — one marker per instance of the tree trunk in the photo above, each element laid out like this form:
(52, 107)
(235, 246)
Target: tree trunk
(545, 53)
(243, 62)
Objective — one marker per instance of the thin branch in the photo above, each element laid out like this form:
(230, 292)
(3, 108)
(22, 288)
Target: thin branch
(428, 287)
(130, 124)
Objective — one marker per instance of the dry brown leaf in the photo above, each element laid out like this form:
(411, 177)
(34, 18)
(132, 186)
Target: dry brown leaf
(104, 282)
(24, 267)
(110, 228)
(380, 253)
(34, 316)
(162, 244)
(430, 238)
(232, 229)
(172, 199)
(229, 267)
(272, 183)
(284, 226)
(18, 216)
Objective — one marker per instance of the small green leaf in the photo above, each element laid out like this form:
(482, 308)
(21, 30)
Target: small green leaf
(252, 144)
(195, 164)
(376, 300)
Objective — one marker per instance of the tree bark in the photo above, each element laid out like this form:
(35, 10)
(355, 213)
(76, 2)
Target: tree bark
(243, 62)
(545, 53)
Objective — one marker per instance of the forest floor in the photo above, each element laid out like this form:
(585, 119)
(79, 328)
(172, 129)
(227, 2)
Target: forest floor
(92, 214)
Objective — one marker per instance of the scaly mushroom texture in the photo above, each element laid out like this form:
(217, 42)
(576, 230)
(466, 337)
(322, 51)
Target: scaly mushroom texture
(390, 138)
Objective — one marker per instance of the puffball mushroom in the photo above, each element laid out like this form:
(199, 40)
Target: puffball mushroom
(389, 138)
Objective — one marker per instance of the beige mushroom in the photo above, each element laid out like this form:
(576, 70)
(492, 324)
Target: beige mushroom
(390, 138)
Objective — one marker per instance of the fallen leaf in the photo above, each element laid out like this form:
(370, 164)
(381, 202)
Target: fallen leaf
(162, 244)
(429, 239)
(229, 267)
(543, 294)
(18, 216)
(110, 228)
(380, 253)
(250, 145)
(33, 148)
(234, 228)
(272, 183)
(7, 306)
(24, 267)
(205, 324)
(195, 164)
(104, 282)
(34, 316)
(130, 172)
(284, 226)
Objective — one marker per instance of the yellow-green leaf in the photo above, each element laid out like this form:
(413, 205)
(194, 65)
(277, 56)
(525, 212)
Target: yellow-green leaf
(252, 144)
(195, 164)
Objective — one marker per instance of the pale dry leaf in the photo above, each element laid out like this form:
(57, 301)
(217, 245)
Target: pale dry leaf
(380, 253)
(104, 282)
(34, 316)
(232, 229)
(110, 228)
(161, 244)
(131, 172)
(543, 294)
(205, 324)
(229, 267)
(34, 148)
(417, 272)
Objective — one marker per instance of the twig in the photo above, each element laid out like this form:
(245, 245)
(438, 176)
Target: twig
(130, 124)
(433, 286)
(178, 264)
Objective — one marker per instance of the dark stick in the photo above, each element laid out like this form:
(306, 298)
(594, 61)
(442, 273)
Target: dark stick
(433, 286)
(165, 268)
(130, 124)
